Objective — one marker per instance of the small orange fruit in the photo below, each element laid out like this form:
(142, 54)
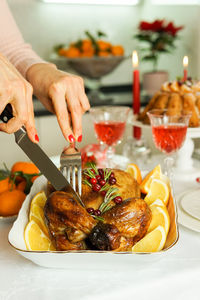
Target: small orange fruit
(11, 202)
(62, 52)
(155, 173)
(117, 50)
(6, 184)
(134, 170)
(73, 52)
(86, 45)
(21, 186)
(103, 45)
(25, 167)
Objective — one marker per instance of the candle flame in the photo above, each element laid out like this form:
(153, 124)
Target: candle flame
(135, 59)
(185, 61)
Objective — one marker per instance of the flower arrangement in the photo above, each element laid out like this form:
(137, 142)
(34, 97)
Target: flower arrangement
(159, 37)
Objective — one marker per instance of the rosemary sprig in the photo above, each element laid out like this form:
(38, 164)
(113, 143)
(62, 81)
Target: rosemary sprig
(89, 173)
(105, 187)
(110, 195)
(107, 173)
(87, 182)
(98, 218)
(94, 167)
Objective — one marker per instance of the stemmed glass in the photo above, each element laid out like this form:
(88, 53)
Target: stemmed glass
(169, 131)
(109, 125)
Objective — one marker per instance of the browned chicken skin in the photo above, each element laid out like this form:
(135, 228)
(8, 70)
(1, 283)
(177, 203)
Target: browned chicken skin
(71, 227)
(68, 222)
(127, 188)
(124, 225)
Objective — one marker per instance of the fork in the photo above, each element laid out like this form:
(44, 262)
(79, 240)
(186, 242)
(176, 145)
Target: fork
(70, 164)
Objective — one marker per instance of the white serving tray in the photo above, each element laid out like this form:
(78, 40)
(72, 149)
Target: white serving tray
(85, 259)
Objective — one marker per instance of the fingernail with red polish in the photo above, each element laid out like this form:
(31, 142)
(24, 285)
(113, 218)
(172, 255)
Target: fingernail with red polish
(79, 138)
(71, 138)
(37, 138)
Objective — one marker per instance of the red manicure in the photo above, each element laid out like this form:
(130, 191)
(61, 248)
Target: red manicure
(71, 138)
(36, 138)
(79, 138)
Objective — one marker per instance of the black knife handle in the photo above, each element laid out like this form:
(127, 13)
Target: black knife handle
(6, 115)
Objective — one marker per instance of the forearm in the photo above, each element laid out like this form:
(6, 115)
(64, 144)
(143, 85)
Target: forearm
(12, 44)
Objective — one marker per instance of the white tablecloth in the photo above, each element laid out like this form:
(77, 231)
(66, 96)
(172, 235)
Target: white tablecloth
(175, 276)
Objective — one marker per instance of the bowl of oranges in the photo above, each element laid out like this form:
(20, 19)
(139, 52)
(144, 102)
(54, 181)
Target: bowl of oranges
(15, 185)
(93, 56)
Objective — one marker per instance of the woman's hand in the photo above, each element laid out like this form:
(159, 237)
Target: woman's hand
(14, 89)
(63, 94)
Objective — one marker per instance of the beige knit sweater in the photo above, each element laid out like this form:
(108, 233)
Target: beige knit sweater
(12, 44)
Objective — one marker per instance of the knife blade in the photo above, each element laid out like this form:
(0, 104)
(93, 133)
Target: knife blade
(39, 157)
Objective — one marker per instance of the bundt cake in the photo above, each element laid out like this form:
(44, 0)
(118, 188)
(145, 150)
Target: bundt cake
(177, 96)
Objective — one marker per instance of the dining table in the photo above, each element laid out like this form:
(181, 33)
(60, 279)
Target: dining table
(175, 274)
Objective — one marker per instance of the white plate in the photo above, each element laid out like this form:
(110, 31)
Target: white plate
(190, 203)
(81, 259)
(184, 218)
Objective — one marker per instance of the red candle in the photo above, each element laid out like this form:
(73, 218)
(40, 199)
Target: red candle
(185, 66)
(136, 93)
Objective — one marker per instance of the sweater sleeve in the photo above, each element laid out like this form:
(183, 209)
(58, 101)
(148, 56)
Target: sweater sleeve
(12, 44)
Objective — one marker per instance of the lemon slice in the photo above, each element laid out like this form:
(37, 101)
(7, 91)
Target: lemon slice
(35, 239)
(158, 190)
(160, 216)
(37, 214)
(155, 173)
(152, 242)
(134, 170)
(39, 199)
(157, 202)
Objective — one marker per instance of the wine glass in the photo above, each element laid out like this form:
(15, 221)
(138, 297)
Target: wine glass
(169, 131)
(109, 126)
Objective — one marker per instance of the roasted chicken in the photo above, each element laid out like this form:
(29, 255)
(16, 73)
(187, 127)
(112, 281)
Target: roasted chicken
(123, 225)
(68, 222)
(71, 227)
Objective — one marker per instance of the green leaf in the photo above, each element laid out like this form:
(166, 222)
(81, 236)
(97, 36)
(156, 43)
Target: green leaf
(100, 34)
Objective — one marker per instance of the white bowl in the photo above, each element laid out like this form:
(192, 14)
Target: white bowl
(83, 259)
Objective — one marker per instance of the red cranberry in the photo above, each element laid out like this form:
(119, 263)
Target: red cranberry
(98, 177)
(93, 171)
(103, 193)
(93, 180)
(112, 180)
(118, 199)
(97, 212)
(90, 210)
(87, 177)
(112, 175)
(101, 173)
(198, 179)
(96, 187)
(102, 182)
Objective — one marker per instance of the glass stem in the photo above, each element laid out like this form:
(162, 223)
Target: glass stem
(109, 157)
(168, 167)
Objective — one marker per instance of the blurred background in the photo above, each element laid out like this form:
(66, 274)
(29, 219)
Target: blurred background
(45, 25)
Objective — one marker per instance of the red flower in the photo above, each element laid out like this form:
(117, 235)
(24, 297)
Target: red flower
(145, 25)
(157, 25)
(171, 29)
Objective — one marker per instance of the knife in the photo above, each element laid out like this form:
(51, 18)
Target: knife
(39, 158)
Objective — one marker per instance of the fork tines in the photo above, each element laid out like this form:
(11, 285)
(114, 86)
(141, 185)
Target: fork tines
(70, 166)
